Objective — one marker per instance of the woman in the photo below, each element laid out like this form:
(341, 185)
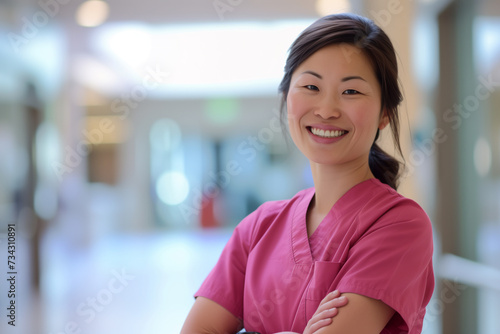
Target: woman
(352, 232)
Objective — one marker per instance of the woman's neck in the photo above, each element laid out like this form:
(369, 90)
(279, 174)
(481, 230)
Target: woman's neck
(332, 182)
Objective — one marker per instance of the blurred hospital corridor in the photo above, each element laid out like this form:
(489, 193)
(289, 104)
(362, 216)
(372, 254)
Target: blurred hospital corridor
(135, 136)
(122, 284)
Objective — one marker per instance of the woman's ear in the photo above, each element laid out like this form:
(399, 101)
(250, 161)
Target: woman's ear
(384, 120)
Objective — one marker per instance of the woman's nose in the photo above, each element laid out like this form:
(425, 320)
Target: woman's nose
(328, 107)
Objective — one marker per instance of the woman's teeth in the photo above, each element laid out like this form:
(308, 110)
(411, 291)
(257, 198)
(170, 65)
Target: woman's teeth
(327, 133)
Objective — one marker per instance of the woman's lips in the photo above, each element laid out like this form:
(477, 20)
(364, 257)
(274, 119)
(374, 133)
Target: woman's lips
(326, 136)
(327, 133)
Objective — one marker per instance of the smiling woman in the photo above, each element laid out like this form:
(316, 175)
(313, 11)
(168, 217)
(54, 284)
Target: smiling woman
(349, 248)
(335, 102)
(360, 42)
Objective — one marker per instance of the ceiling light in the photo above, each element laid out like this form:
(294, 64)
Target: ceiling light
(92, 13)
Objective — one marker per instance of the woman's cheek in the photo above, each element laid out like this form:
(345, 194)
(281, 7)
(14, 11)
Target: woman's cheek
(293, 125)
(295, 106)
(291, 111)
(361, 114)
(294, 117)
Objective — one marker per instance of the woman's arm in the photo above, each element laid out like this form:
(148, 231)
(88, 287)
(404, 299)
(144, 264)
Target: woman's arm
(327, 309)
(208, 317)
(363, 315)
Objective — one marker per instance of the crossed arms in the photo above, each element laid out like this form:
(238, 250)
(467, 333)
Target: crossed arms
(352, 313)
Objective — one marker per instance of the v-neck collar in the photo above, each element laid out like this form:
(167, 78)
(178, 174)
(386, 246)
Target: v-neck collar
(299, 237)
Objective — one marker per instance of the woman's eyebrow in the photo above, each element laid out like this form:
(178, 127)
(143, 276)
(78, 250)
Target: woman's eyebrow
(313, 73)
(353, 77)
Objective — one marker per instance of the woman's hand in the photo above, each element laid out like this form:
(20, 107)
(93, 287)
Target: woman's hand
(327, 309)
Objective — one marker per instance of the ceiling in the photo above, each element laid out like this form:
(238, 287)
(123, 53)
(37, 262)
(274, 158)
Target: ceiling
(187, 11)
(175, 11)
(13, 12)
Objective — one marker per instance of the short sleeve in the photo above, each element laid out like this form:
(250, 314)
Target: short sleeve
(225, 282)
(392, 262)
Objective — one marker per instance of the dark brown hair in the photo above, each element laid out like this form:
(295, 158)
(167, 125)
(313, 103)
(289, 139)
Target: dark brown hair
(376, 45)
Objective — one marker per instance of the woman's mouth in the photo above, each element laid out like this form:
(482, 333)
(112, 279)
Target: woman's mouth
(326, 133)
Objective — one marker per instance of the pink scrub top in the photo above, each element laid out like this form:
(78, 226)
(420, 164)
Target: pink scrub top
(373, 242)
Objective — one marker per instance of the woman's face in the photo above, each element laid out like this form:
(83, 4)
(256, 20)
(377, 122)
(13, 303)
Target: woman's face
(334, 106)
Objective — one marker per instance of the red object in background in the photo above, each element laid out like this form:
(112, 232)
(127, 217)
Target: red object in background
(207, 217)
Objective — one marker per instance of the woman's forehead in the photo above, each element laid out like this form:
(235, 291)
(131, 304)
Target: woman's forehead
(340, 59)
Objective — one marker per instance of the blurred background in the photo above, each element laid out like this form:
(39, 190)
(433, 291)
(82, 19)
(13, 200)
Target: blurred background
(134, 136)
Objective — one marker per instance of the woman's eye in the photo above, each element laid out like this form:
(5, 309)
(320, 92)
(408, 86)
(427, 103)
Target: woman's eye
(311, 87)
(351, 92)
